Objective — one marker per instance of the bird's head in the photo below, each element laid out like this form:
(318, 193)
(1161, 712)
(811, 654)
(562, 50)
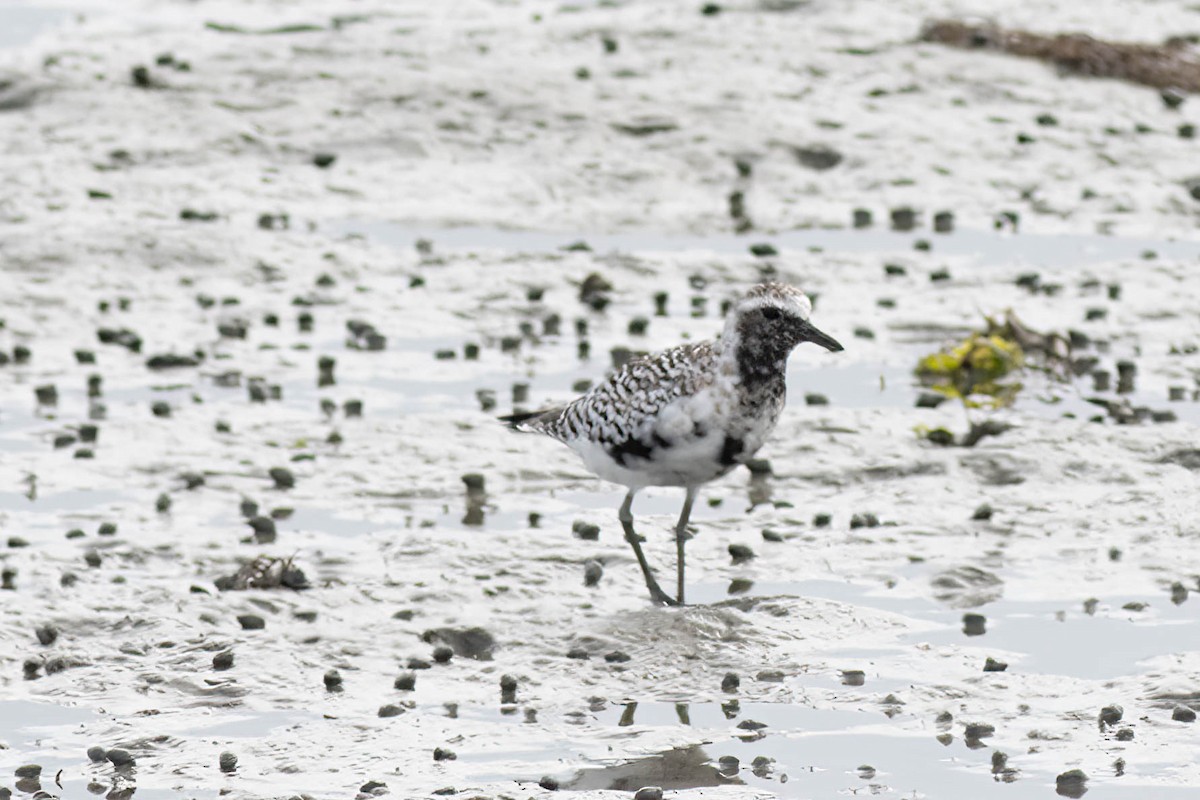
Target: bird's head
(774, 317)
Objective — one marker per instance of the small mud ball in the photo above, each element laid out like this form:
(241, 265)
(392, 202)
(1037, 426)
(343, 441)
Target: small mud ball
(443, 654)
(227, 762)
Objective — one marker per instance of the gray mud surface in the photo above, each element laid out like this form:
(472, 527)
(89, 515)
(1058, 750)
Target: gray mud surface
(213, 542)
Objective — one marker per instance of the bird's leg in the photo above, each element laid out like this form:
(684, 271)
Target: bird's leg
(626, 517)
(681, 537)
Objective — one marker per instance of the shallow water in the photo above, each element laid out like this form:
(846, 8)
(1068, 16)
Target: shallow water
(847, 635)
(20, 23)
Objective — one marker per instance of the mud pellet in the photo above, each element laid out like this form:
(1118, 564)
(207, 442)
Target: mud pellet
(815, 399)
(264, 529)
(323, 160)
(163, 503)
(283, 477)
(578, 654)
(75, 533)
(758, 466)
(740, 553)
(1183, 714)
(731, 682)
(861, 218)
(1179, 593)
(92, 558)
(8, 579)
(63, 440)
(120, 758)
(1111, 715)
(1125, 735)
(251, 622)
(648, 793)
(520, 393)
(418, 663)
(974, 624)
(585, 530)
(390, 710)
(979, 730)
(227, 762)
(992, 665)
(903, 219)
(1071, 783)
(333, 680)
(223, 660)
(982, 513)
(95, 385)
(97, 753)
(406, 682)
(442, 754)
(442, 654)
(29, 771)
(616, 657)
(822, 520)
(17, 542)
(46, 634)
(739, 586)
(548, 783)
(21, 354)
(46, 395)
(593, 572)
(160, 408)
(943, 222)
(85, 452)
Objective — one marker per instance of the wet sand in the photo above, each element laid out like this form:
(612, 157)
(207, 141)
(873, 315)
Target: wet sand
(433, 261)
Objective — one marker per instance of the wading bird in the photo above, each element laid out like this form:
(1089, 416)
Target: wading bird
(688, 415)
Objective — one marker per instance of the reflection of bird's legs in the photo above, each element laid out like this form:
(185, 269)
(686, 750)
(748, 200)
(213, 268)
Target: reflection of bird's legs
(681, 537)
(626, 517)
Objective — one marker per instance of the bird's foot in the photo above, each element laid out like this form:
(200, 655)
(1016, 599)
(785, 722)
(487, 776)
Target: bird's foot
(660, 597)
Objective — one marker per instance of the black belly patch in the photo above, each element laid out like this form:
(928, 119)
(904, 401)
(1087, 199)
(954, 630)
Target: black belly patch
(732, 448)
(630, 448)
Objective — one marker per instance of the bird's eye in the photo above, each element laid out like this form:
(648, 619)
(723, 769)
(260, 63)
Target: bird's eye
(771, 313)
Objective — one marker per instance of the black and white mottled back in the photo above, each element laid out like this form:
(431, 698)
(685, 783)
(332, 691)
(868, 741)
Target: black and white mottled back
(690, 414)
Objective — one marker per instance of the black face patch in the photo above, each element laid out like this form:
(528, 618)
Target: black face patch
(630, 448)
(730, 450)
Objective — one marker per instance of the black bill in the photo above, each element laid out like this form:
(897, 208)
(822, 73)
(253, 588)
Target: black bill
(815, 336)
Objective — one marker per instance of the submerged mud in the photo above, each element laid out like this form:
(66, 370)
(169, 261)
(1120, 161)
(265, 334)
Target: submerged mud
(263, 535)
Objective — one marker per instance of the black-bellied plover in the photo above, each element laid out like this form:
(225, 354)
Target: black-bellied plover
(687, 415)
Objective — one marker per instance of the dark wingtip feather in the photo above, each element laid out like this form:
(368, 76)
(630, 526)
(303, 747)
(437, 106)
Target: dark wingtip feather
(514, 420)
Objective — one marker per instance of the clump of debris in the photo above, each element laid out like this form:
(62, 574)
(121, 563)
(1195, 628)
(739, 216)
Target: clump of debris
(1174, 64)
(265, 572)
